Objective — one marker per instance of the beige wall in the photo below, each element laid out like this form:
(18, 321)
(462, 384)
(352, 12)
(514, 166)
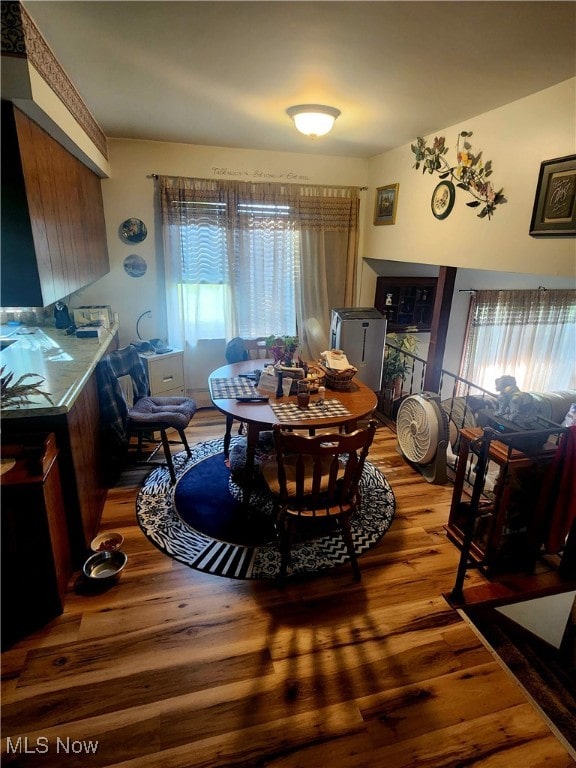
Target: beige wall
(516, 137)
(129, 192)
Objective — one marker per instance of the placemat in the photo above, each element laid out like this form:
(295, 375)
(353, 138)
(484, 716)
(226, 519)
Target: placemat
(287, 412)
(232, 388)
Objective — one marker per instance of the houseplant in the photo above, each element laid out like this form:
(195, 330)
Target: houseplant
(282, 348)
(16, 393)
(396, 363)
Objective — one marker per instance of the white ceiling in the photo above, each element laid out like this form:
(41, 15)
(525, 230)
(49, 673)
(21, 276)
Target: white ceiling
(223, 73)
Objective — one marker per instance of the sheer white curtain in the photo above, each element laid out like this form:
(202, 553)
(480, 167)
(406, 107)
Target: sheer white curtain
(328, 241)
(528, 334)
(255, 259)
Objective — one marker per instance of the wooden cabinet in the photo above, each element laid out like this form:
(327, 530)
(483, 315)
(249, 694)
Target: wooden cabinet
(507, 523)
(165, 373)
(35, 553)
(82, 462)
(53, 229)
(406, 302)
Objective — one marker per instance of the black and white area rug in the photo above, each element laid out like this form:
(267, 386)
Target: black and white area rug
(201, 522)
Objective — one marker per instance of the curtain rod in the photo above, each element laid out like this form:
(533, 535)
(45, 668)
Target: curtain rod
(473, 290)
(362, 189)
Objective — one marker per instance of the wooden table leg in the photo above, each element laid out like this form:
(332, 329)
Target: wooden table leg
(251, 443)
(228, 436)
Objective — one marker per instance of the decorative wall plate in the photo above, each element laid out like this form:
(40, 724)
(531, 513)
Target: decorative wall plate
(135, 266)
(443, 199)
(133, 231)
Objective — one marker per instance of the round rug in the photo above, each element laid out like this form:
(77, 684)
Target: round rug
(161, 510)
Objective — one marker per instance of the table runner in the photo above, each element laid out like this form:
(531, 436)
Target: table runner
(287, 412)
(232, 388)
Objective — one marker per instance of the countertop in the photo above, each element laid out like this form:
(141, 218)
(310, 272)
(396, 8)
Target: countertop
(64, 362)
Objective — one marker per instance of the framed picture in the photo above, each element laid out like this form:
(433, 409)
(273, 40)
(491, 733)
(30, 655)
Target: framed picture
(386, 203)
(554, 212)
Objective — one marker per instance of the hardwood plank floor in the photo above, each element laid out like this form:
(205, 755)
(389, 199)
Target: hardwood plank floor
(180, 669)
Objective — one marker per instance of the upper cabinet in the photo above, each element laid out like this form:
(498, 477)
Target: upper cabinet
(53, 229)
(407, 302)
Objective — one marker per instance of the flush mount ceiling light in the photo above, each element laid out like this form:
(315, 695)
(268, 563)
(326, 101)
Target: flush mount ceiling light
(313, 119)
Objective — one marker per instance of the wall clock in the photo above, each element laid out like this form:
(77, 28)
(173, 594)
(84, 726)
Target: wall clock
(443, 199)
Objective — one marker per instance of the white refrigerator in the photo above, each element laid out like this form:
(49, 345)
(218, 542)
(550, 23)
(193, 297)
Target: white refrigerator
(361, 333)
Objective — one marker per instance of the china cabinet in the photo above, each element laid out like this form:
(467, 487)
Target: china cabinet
(406, 302)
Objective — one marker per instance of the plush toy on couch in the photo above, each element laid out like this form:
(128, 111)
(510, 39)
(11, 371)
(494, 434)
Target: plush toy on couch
(513, 404)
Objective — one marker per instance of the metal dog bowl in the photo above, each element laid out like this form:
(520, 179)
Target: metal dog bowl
(104, 567)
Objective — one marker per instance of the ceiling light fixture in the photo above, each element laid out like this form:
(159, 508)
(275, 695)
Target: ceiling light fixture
(313, 119)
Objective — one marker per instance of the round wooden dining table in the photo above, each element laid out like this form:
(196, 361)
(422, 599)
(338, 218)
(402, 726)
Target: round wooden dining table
(358, 402)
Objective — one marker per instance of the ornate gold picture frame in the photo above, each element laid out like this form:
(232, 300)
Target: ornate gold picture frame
(386, 204)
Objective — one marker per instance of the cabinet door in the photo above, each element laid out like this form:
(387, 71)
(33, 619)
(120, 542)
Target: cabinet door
(63, 201)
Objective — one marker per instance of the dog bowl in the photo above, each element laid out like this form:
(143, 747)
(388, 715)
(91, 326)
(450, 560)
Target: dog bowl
(107, 542)
(104, 567)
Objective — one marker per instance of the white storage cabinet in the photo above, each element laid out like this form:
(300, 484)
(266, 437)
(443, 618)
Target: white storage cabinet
(165, 373)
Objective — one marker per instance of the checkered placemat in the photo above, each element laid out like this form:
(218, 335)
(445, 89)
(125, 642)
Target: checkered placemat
(287, 412)
(231, 388)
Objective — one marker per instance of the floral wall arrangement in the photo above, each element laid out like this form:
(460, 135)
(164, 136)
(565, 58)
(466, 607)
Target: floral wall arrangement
(470, 173)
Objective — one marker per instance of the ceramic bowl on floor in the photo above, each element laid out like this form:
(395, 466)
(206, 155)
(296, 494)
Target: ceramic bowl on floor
(107, 542)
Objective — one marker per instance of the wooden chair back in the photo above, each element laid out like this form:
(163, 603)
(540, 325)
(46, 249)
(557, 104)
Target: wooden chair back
(319, 475)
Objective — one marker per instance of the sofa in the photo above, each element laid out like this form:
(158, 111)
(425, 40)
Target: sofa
(471, 411)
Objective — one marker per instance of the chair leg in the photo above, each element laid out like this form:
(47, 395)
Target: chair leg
(184, 442)
(283, 527)
(347, 536)
(168, 455)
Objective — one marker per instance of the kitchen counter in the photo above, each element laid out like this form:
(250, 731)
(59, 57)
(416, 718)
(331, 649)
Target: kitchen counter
(64, 362)
(67, 364)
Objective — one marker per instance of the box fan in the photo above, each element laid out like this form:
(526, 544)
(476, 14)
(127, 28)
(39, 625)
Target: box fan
(423, 435)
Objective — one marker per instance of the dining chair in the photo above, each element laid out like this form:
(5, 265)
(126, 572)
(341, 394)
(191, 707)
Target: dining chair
(238, 350)
(147, 414)
(316, 477)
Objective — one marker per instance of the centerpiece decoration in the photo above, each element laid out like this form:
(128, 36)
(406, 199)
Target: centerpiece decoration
(470, 172)
(282, 348)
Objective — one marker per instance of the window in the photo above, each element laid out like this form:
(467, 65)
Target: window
(256, 259)
(530, 335)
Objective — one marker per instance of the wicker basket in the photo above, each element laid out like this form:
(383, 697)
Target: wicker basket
(316, 377)
(339, 380)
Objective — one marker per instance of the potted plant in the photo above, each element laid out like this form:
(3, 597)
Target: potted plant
(17, 393)
(282, 348)
(396, 364)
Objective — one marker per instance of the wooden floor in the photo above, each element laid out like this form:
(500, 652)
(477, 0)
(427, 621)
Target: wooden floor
(174, 668)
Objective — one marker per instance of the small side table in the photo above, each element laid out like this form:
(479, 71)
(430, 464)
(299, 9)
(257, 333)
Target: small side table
(505, 535)
(165, 373)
